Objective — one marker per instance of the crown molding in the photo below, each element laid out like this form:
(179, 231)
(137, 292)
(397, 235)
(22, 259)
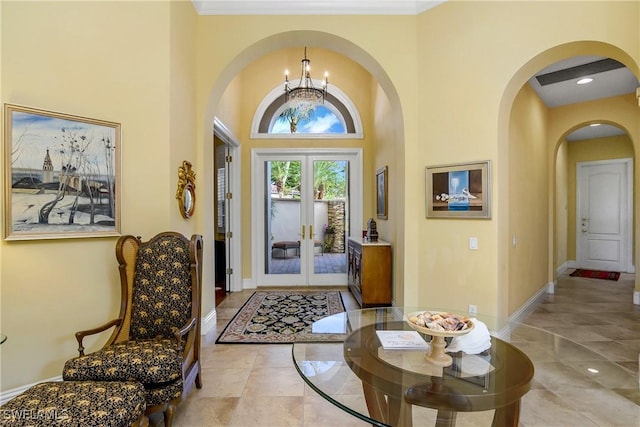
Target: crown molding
(315, 7)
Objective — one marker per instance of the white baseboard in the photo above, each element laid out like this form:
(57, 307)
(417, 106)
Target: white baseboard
(525, 309)
(5, 396)
(573, 264)
(565, 266)
(551, 287)
(209, 322)
(249, 284)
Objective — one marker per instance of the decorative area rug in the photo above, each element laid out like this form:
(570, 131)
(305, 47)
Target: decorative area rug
(596, 274)
(282, 317)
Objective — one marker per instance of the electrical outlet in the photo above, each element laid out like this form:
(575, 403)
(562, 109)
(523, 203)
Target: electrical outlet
(473, 309)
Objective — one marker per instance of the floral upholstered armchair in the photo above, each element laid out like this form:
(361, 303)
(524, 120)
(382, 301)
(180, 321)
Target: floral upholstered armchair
(156, 337)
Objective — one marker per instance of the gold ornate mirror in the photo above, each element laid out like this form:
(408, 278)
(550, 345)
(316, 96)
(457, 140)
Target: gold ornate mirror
(186, 193)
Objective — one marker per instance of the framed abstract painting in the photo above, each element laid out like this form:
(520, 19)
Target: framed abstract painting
(459, 190)
(382, 197)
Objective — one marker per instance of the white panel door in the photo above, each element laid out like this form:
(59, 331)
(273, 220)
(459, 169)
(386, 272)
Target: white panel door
(604, 215)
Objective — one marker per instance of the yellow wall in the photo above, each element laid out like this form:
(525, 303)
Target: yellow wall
(450, 76)
(528, 202)
(468, 82)
(1, 191)
(117, 61)
(385, 149)
(228, 111)
(618, 147)
(561, 208)
(181, 109)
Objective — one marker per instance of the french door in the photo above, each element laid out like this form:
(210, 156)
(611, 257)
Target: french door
(306, 203)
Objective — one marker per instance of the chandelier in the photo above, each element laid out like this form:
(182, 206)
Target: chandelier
(305, 96)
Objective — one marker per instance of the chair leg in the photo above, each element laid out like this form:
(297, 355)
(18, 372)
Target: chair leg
(143, 421)
(198, 381)
(168, 414)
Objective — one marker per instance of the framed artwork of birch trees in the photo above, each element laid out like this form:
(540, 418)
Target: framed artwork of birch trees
(62, 175)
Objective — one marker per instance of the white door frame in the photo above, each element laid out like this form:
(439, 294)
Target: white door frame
(234, 204)
(356, 195)
(627, 259)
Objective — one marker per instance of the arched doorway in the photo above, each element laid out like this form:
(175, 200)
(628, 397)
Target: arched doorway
(263, 49)
(524, 263)
(594, 193)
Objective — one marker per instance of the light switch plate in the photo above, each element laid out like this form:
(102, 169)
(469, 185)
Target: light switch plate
(473, 243)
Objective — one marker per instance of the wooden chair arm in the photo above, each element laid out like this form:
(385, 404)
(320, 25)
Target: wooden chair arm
(81, 334)
(180, 333)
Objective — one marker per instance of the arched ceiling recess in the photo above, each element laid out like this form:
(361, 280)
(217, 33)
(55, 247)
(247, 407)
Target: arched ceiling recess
(556, 86)
(310, 38)
(619, 114)
(557, 54)
(591, 130)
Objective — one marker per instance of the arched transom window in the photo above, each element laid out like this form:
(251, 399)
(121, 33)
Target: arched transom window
(337, 117)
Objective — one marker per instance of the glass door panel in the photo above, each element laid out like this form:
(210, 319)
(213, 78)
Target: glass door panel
(304, 216)
(330, 216)
(283, 213)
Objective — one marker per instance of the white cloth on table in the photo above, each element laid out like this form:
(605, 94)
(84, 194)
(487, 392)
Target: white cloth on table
(476, 341)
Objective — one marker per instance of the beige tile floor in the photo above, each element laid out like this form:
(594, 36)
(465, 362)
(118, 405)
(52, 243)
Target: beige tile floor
(322, 264)
(257, 385)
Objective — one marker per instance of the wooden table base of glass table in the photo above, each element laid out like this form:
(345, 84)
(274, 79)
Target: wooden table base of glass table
(394, 381)
(397, 412)
(506, 416)
(391, 391)
(388, 409)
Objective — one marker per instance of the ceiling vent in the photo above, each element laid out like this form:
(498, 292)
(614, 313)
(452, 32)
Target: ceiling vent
(579, 71)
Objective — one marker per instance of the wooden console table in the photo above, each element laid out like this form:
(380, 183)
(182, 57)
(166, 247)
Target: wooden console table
(369, 272)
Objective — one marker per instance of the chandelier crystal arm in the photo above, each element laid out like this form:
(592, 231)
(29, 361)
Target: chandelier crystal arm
(305, 96)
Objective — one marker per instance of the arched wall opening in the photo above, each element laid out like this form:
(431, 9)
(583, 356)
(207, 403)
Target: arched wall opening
(569, 155)
(620, 111)
(289, 39)
(253, 51)
(558, 122)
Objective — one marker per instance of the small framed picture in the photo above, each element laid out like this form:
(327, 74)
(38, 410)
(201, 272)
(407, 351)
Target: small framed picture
(459, 190)
(382, 193)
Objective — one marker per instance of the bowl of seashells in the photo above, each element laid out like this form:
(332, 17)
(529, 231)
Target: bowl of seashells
(439, 325)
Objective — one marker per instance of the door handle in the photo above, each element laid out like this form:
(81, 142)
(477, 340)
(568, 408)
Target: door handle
(303, 232)
(585, 225)
(311, 232)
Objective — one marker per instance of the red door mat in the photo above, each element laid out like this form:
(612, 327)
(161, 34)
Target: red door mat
(596, 274)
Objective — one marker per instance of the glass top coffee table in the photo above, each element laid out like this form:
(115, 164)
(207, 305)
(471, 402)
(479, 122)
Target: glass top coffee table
(390, 387)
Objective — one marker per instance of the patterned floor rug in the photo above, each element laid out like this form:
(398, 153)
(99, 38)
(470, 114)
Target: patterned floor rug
(596, 274)
(282, 317)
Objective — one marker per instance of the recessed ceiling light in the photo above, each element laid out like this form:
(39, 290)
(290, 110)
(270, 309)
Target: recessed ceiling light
(584, 81)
